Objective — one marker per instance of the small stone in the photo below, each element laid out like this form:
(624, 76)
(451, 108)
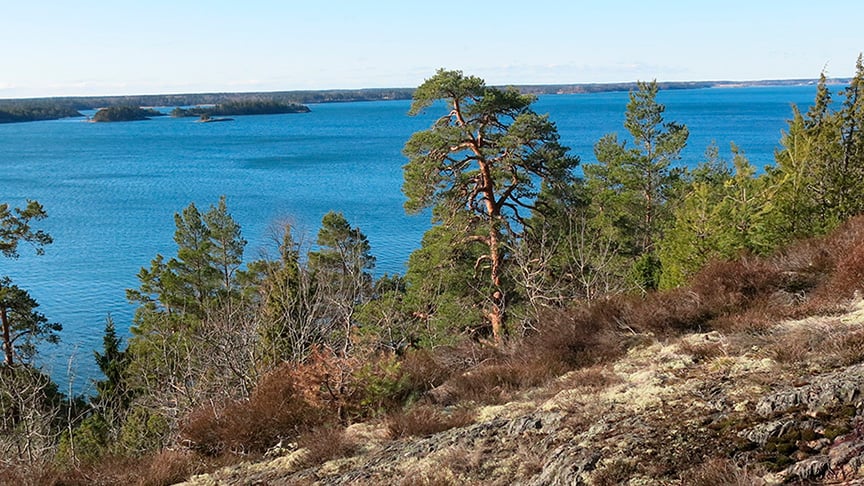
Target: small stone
(818, 444)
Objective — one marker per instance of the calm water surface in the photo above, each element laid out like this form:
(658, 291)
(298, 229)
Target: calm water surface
(111, 189)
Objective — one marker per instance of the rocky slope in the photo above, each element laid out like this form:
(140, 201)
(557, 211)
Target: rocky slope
(780, 404)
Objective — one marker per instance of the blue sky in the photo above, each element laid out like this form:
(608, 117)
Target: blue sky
(100, 47)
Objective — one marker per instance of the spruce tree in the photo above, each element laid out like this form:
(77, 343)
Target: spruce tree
(723, 215)
(113, 396)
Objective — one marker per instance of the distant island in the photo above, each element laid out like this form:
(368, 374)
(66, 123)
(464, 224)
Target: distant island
(124, 113)
(35, 109)
(205, 118)
(241, 107)
(15, 111)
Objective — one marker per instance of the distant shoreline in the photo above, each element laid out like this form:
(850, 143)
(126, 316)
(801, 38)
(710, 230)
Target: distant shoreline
(16, 109)
(374, 94)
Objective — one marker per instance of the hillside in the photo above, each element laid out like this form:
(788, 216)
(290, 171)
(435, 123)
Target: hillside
(753, 375)
(702, 409)
(648, 324)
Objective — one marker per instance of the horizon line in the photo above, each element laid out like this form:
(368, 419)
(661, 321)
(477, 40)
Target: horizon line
(613, 85)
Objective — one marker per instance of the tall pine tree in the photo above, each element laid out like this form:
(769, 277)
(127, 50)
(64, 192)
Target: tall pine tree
(479, 167)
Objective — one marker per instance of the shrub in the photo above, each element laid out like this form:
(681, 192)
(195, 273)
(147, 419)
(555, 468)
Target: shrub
(564, 340)
(719, 471)
(434, 477)
(28, 474)
(850, 348)
(848, 276)
(382, 385)
(795, 347)
(462, 460)
(276, 409)
(326, 443)
(142, 432)
(169, 467)
(701, 351)
(423, 420)
(726, 287)
(489, 383)
(570, 339)
(673, 311)
(325, 390)
(594, 378)
(423, 370)
(157, 469)
(834, 264)
(615, 473)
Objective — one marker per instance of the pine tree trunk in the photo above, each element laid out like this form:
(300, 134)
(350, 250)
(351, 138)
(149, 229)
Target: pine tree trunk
(496, 313)
(7, 337)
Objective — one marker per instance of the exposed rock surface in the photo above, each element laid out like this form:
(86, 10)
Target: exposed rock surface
(845, 386)
(737, 414)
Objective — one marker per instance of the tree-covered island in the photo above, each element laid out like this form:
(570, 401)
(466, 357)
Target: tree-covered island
(124, 113)
(12, 112)
(240, 107)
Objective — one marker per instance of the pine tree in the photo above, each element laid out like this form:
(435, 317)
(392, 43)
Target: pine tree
(187, 307)
(15, 227)
(23, 327)
(480, 167)
(630, 187)
(227, 244)
(209, 252)
(342, 265)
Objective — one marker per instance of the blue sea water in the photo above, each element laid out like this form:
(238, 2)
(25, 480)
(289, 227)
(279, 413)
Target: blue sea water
(111, 189)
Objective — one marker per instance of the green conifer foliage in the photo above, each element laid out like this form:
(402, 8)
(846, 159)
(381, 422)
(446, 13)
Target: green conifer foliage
(23, 327)
(819, 172)
(185, 305)
(15, 227)
(630, 186)
(722, 215)
(480, 167)
(113, 396)
(341, 265)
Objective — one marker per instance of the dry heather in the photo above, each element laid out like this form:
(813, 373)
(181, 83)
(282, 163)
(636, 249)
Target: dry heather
(700, 409)
(752, 375)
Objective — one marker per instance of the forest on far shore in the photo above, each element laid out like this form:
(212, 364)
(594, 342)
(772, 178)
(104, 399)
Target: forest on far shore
(53, 108)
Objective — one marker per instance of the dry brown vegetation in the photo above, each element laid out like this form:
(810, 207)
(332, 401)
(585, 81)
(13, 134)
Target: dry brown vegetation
(160, 469)
(427, 391)
(426, 420)
(326, 443)
(720, 471)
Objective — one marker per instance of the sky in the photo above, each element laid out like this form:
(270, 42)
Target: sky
(116, 47)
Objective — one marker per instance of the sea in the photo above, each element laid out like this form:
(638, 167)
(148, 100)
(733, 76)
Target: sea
(111, 189)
